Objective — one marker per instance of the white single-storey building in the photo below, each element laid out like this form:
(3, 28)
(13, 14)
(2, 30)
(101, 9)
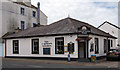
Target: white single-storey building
(65, 36)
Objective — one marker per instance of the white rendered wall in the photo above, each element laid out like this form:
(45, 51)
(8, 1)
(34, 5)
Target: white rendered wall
(25, 47)
(101, 45)
(111, 30)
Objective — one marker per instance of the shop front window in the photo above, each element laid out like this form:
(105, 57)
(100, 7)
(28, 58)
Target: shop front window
(59, 47)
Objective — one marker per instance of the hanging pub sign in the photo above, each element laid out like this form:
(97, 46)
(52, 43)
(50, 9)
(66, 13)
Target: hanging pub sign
(83, 39)
(71, 47)
(84, 30)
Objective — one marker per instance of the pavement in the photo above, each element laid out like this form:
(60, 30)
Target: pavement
(40, 63)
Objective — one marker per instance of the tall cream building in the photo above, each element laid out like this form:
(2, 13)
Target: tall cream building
(19, 15)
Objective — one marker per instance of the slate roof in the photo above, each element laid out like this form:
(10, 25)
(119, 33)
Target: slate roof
(61, 27)
(21, 3)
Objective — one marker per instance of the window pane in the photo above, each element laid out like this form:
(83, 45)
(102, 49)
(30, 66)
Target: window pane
(59, 46)
(15, 47)
(35, 46)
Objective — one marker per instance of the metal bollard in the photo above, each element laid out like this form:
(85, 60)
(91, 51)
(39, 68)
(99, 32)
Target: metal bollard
(68, 57)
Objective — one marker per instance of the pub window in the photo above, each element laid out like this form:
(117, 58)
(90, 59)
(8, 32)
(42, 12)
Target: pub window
(111, 43)
(59, 45)
(34, 14)
(105, 45)
(22, 10)
(46, 51)
(15, 47)
(22, 25)
(35, 46)
(96, 45)
(91, 47)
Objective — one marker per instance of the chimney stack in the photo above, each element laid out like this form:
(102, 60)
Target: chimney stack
(38, 13)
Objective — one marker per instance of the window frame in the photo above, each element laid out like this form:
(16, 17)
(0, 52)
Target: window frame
(111, 43)
(105, 45)
(58, 38)
(97, 45)
(34, 13)
(33, 46)
(22, 11)
(14, 47)
(22, 25)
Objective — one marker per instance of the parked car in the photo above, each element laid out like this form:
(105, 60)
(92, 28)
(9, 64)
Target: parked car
(113, 54)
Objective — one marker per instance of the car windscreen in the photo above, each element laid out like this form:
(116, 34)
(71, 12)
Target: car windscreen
(113, 50)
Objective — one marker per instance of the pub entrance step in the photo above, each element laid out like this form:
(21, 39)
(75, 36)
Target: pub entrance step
(83, 60)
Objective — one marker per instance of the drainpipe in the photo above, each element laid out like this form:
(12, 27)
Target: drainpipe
(38, 13)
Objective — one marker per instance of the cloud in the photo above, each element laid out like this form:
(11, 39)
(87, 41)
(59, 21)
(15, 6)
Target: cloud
(94, 13)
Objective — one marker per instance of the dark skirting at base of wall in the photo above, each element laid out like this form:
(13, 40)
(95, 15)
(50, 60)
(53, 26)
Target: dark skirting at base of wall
(43, 58)
(53, 58)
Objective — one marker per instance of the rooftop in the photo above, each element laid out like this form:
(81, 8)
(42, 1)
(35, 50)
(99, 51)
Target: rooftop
(61, 27)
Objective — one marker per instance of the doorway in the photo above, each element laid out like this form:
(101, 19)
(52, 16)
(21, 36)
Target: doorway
(81, 50)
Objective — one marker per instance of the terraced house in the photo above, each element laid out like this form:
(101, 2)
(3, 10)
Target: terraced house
(17, 15)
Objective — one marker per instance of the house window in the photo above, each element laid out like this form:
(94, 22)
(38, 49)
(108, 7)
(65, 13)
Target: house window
(96, 45)
(22, 10)
(111, 43)
(46, 51)
(35, 46)
(22, 25)
(105, 45)
(59, 45)
(34, 14)
(15, 47)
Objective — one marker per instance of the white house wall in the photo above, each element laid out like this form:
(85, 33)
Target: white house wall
(25, 47)
(11, 17)
(111, 30)
(101, 45)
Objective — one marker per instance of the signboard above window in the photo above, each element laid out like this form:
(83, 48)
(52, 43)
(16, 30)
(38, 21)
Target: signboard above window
(84, 30)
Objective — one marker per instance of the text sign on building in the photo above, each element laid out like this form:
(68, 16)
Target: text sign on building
(46, 44)
(84, 30)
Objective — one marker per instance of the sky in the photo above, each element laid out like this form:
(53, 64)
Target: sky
(90, 11)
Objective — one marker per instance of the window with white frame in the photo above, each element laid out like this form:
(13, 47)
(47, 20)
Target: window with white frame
(22, 25)
(34, 13)
(59, 45)
(111, 43)
(96, 45)
(105, 45)
(35, 46)
(22, 11)
(15, 47)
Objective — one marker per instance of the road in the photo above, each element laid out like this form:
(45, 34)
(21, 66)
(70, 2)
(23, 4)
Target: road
(35, 63)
